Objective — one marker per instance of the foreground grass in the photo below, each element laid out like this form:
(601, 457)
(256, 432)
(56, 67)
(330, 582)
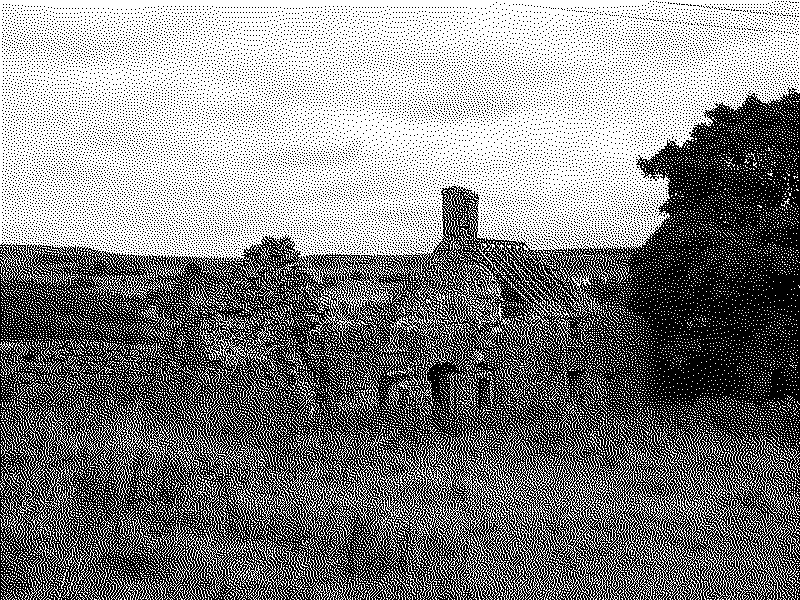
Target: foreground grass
(132, 508)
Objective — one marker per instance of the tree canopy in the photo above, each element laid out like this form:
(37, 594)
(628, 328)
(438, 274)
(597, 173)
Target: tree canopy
(236, 340)
(261, 310)
(277, 292)
(720, 275)
(741, 162)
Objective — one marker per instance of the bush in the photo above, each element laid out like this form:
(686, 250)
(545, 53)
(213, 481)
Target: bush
(722, 269)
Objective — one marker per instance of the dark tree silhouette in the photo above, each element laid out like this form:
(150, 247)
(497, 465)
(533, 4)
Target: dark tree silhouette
(719, 279)
(744, 162)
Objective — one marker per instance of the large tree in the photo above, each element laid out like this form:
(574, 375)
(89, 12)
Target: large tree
(259, 311)
(239, 342)
(718, 280)
(277, 294)
(741, 163)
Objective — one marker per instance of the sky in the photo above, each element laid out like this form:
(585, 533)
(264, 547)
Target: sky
(200, 130)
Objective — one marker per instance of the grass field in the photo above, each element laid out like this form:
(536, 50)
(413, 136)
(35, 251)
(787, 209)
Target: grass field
(114, 500)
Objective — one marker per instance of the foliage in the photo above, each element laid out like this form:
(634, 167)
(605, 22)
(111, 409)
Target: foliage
(744, 161)
(279, 294)
(182, 309)
(256, 318)
(723, 267)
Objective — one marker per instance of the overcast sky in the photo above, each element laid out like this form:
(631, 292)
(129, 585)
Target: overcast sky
(199, 130)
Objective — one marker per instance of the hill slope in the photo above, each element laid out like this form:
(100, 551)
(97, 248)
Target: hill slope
(79, 293)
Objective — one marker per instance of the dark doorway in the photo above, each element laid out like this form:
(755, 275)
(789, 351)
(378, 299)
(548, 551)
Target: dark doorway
(574, 376)
(440, 376)
(575, 380)
(485, 379)
(393, 390)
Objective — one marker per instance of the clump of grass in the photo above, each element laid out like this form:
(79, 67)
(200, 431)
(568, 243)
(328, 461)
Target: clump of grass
(15, 567)
(136, 563)
(753, 500)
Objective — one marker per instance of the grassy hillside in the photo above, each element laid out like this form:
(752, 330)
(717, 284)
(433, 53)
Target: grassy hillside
(360, 286)
(83, 294)
(79, 293)
(355, 284)
(590, 263)
(56, 265)
(333, 268)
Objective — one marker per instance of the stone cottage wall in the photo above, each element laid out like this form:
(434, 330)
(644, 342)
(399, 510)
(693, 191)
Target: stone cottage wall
(528, 360)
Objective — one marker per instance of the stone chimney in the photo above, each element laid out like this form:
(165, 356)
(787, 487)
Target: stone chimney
(459, 213)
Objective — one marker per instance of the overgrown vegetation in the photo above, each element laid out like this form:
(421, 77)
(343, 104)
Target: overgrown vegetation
(136, 508)
(719, 279)
(243, 334)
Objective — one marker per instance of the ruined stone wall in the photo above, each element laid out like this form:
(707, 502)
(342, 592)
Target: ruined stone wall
(356, 371)
(529, 358)
(452, 317)
(529, 361)
(77, 357)
(352, 358)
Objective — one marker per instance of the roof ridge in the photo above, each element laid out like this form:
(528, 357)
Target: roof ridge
(534, 271)
(510, 270)
(511, 263)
